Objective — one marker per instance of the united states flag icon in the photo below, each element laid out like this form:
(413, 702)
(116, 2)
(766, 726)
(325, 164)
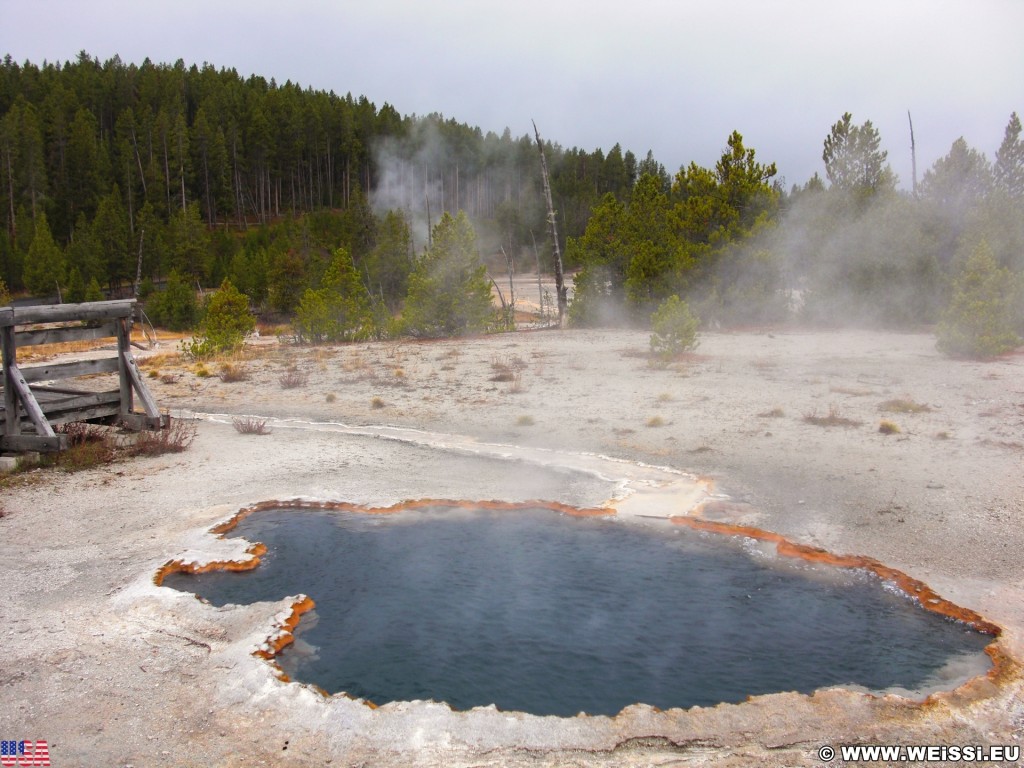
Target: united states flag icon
(24, 754)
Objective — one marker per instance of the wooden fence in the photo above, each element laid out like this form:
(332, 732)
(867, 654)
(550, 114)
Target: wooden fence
(32, 398)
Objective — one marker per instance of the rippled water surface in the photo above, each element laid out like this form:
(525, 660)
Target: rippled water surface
(544, 613)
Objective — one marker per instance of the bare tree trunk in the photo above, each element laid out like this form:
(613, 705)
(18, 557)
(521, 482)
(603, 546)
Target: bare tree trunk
(138, 159)
(12, 222)
(138, 266)
(913, 153)
(510, 267)
(560, 289)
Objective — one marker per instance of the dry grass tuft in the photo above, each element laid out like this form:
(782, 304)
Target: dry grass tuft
(377, 403)
(887, 427)
(293, 379)
(834, 418)
(774, 413)
(903, 405)
(525, 421)
(177, 437)
(88, 446)
(655, 421)
(505, 368)
(250, 425)
(331, 397)
(232, 372)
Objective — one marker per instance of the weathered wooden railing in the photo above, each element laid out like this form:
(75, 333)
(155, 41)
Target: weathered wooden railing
(32, 400)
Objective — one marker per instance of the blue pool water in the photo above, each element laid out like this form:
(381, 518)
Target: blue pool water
(544, 613)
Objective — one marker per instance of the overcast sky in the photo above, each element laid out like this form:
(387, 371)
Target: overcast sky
(673, 76)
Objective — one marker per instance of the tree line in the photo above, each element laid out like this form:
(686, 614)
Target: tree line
(137, 171)
(850, 248)
(120, 178)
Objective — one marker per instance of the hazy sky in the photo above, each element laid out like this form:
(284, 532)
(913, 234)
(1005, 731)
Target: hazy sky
(673, 76)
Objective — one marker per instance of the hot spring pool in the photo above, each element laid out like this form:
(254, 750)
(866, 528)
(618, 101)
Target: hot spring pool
(540, 612)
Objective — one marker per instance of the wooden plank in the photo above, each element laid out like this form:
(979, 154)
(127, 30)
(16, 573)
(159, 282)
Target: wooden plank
(61, 335)
(105, 412)
(139, 385)
(123, 373)
(138, 421)
(70, 370)
(33, 443)
(28, 401)
(46, 389)
(58, 313)
(11, 420)
(111, 411)
(73, 403)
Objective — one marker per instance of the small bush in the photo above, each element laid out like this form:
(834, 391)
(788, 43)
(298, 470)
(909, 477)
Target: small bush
(674, 328)
(226, 324)
(655, 421)
(175, 438)
(525, 421)
(377, 403)
(88, 446)
(331, 397)
(175, 307)
(773, 413)
(903, 405)
(229, 372)
(834, 419)
(887, 427)
(250, 425)
(293, 379)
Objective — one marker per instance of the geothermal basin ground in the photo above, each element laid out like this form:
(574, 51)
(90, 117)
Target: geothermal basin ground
(778, 431)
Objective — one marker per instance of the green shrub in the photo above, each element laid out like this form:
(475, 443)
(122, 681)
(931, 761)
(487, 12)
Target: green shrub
(449, 294)
(226, 324)
(674, 328)
(93, 292)
(175, 307)
(979, 320)
(75, 292)
(339, 310)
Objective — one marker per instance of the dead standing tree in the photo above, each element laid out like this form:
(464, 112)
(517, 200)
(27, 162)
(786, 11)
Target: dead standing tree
(560, 289)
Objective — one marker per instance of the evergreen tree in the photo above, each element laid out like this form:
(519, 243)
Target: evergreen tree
(189, 242)
(110, 238)
(225, 325)
(979, 320)
(449, 294)
(44, 263)
(390, 261)
(1009, 170)
(854, 160)
(339, 310)
(174, 307)
(75, 292)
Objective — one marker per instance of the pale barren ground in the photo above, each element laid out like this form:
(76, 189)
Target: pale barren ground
(113, 670)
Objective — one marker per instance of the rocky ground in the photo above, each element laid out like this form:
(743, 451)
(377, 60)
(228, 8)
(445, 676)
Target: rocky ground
(784, 425)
